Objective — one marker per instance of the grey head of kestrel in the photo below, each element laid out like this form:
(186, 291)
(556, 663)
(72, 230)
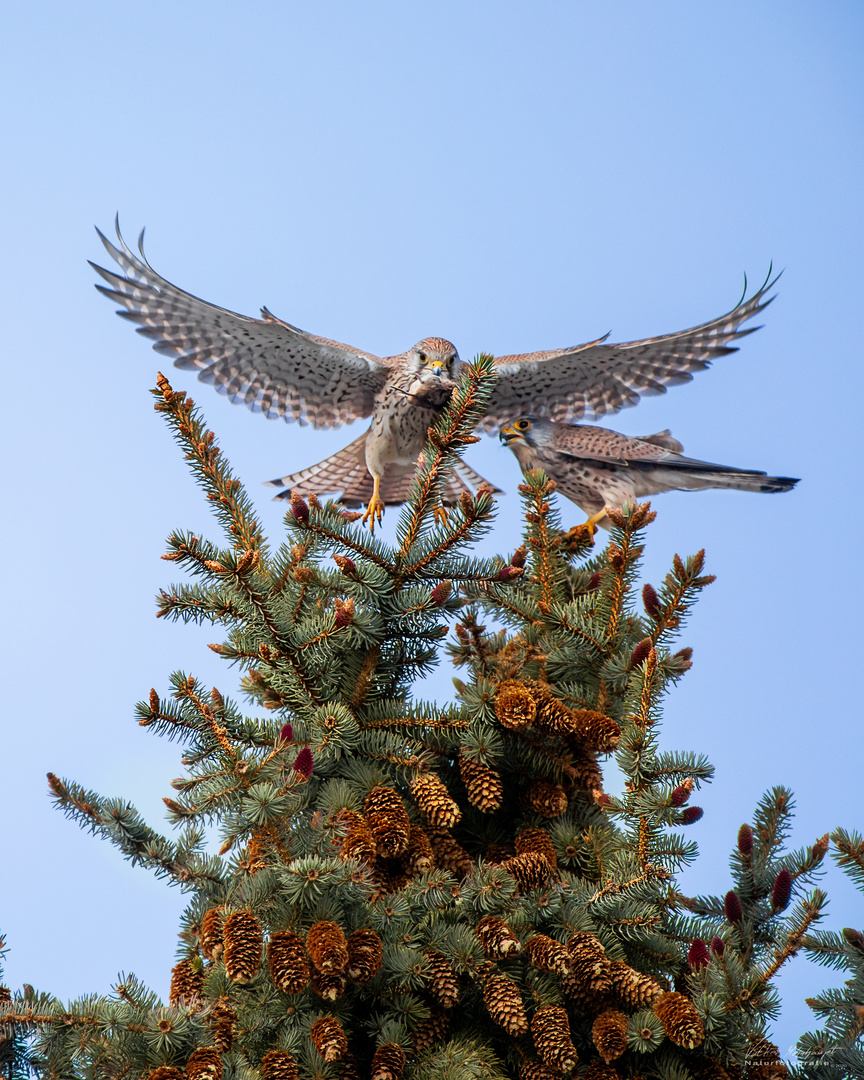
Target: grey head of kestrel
(600, 469)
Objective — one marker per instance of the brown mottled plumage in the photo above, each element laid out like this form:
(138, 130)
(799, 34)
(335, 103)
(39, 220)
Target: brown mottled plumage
(598, 468)
(278, 370)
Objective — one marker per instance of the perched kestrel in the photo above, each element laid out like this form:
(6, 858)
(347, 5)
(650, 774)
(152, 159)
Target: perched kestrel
(276, 369)
(598, 468)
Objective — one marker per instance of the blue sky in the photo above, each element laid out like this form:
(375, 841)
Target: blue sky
(509, 178)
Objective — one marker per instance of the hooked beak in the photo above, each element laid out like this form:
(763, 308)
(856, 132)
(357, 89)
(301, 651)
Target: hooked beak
(438, 367)
(507, 434)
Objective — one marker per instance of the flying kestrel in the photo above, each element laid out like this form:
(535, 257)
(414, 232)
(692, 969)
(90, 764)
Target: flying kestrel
(278, 370)
(598, 468)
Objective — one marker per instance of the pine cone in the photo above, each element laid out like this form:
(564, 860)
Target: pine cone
(388, 1062)
(599, 1070)
(763, 1061)
(544, 798)
(327, 947)
(531, 870)
(418, 857)
(388, 820)
(539, 841)
(610, 1034)
(496, 937)
(289, 964)
(547, 954)
(442, 980)
(550, 1028)
(279, 1065)
(211, 933)
(364, 955)
(596, 731)
(359, 843)
(431, 1031)
(433, 799)
(244, 946)
(346, 1067)
(221, 1020)
(553, 716)
(587, 776)
(205, 1063)
(328, 1038)
(483, 784)
(329, 985)
(536, 1070)
(504, 1002)
(589, 982)
(680, 1020)
(635, 990)
(187, 982)
(449, 853)
(515, 705)
(162, 1072)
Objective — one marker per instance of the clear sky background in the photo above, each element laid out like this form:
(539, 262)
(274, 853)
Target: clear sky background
(512, 177)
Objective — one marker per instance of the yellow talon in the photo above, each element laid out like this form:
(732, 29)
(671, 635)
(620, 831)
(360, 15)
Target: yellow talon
(375, 509)
(592, 521)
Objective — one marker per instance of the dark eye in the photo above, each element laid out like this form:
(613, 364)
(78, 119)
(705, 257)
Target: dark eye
(522, 425)
(422, 357)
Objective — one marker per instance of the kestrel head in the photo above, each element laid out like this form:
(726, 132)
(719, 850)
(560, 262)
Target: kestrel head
(434, 357)
(526, 430)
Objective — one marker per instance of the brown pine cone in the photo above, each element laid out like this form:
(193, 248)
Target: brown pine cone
(553, 716)
(388, 1062)
(496, 937)
(279, 1065)
(359, 843)
(504, 1002)
(221, 1020)
(431, 1031)
(328, 1038)
(531, 870)
(205, 1063)
(418, 857)
(587, 777)
(442, 981)
(599, 1070)
(547, 954)
(328, 985)
(515, 705)
(545, 798)
(162, 1072)
(211, 933)
(538, 840)
(346, 1067)
(680, 1020)
(364, 955)
(596, 731)
(244, 946)
(635, 990)
(763, 1061)
(187, 982)
(531, 1069)
(388, 820)
(449, 853)
(550, 1029)
(289, 964)
(434, 801)
(327, 947)
(610, 1034)
(483, 783)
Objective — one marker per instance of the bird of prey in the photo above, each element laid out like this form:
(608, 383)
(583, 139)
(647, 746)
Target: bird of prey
(278, 370)
(598, 469)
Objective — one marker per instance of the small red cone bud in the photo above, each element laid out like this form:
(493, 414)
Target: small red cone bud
(854, 937)
(509, 573)
(441, 593)
(299, 508)
(650, 601)
(594, 581)
(346, 565)
(603, 799)
(782, 890)
(640, 653)
(698, 955)
(691, 815)
(519, 557)
(304, 763)
(717, 946)
(733, 907)
(745, 839)
(350, 515)
(287, 733)
(344, 612)
(681, 793)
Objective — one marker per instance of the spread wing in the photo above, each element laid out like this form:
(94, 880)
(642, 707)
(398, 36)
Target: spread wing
(596, 378)
(266, 364)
